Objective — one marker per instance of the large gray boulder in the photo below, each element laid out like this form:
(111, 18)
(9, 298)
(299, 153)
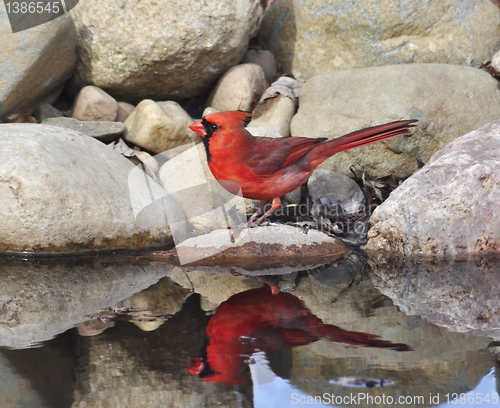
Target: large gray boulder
(61, 191)
(448, 208)
(310, 37)
(160, 49)
(448, 101)
(34, 63)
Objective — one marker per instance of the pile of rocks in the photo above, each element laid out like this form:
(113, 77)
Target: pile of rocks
(134, 71)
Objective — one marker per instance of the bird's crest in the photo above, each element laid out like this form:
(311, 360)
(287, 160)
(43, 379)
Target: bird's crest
(229, 118)
(248, 119)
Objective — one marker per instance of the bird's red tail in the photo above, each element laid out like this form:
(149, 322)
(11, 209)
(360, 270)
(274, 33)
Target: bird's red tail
(359, 138)
(336, 334)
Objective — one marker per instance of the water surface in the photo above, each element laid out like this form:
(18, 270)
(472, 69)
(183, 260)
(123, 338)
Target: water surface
(114, 332)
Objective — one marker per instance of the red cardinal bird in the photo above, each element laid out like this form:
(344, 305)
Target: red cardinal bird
(266, 168)
(257, 319)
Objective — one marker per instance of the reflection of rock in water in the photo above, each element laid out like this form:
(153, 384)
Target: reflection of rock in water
(164, 298)
(127, 367)
(343, 271)
(148, 309)
(218, 284)
(441, 362)
(40, 377)
(214, 288)
(462, 296)
(44, 298)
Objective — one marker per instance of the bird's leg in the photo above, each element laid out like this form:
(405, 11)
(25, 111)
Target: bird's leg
(274, 206)
(254, 216)
(275, 289)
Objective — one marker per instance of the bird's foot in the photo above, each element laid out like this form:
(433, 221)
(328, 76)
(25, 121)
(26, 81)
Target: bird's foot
(275, 289)
(257, 223)
(274, 205)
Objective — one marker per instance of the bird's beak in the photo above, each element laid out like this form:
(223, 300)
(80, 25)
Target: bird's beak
(198, 128)
(197, 366)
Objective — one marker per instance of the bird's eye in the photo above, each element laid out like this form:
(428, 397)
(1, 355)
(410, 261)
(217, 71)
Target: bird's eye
(213, 127)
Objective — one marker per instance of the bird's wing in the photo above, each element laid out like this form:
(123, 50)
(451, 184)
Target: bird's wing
(300, 146)
(271, 155)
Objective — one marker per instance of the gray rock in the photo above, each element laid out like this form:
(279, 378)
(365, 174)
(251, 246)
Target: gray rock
(273, 114)
(45, 111)
(271, 250)
(338, 206)
(62, 191)
(92, 103)
(131, 52)
(174, 110)
(448, 101)
(448, 208)
(239, 88)
(265, 59)
(158, 129)
(310, 37)
(104, 131)
(35, 63)
(293, 197)
(325, 183)
(124, 111)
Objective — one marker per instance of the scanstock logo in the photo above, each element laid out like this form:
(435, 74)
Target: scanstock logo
(183, 199)
(24, 15)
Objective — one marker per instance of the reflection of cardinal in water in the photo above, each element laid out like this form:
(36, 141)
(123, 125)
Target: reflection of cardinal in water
(258, 320)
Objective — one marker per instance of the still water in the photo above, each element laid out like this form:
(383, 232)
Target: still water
(116, 332)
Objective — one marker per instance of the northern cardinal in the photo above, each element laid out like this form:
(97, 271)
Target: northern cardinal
(266, 168)
(257, 319)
